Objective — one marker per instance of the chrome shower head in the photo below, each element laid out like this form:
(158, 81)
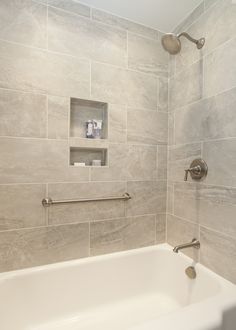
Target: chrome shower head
(172, 44)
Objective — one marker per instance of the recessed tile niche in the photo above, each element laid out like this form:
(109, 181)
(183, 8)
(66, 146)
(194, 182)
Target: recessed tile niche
(87, 155)
(87, 149)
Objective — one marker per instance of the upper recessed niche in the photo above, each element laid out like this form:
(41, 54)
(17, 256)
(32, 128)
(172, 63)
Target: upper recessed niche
(82, 111)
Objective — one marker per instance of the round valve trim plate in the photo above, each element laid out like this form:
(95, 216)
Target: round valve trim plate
(204, 169)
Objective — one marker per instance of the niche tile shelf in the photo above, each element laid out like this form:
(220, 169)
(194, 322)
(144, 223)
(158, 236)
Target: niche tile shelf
(87, 155)
(82, 149)
(83, 110)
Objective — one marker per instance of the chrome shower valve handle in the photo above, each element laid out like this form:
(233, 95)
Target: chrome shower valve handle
(195, 170)
(198, 170)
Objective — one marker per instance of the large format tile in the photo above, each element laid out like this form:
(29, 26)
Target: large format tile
(217, 25)
(171, 128)
(160, 228)
(22, 114)
(41, 1)
(162, 162)
(116, 169)
(35, 70)
(170, 198)
(218, 252)
(117, 121)
(71, 6)
(58, 117)
(180, 231)
(221, 160)
(87, 211)
(122, 234)
(147, 55)
(33, 247)
(180, 158)
(211, 206)
(172, 65)
(193, 16)
(146, 127)
(24, 22)
(163, 95)
(132, 162)
(81, 37)
(21, 206)
(209, 3)
(189, 53)
(107, 18)
(124, 87)
(141, 162)
(196, 28)
(187, 86)
(34, 160)
(212, 118)
(220, 69)
(148, 197)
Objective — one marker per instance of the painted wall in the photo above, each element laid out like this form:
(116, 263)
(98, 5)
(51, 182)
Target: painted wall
(202, 123)
(163, 15)
(48, 54)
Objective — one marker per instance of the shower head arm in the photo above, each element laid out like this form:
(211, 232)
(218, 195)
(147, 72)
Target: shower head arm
(186, 35)
(200, 42)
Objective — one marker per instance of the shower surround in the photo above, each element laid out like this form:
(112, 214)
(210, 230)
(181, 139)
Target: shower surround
(202, 124)
(52, 51)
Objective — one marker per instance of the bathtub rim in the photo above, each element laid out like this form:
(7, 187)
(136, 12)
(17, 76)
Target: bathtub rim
(224, 283)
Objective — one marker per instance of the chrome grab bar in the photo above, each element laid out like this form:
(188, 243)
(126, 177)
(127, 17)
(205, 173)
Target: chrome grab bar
(48, 201)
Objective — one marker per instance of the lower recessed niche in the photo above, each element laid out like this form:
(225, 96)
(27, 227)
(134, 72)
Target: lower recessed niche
(87, 156)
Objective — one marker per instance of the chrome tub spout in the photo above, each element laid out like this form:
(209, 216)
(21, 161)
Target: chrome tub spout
(195, 244)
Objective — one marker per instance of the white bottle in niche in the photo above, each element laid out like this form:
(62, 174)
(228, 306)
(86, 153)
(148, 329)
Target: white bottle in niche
(97, 162)
(89, 129)
(97, 129)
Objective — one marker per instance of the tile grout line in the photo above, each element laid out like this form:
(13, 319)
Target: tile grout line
(47, 118)
(63, 224)
(89, 237)
(186, 68)
(47, 208)
(178, 218)
(47, 29)
(113, 26)
(90, 79)
(127, 50)
(179, 145)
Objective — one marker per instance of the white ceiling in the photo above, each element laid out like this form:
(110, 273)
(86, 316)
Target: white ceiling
(163, 15)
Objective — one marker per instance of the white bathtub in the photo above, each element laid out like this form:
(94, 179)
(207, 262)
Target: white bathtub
(140, 289)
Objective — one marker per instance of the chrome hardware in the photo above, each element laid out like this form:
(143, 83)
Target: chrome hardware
(48, 201)
(191, 272)
(172, 44)
(199, 42)
(195, 244)
(198, 170)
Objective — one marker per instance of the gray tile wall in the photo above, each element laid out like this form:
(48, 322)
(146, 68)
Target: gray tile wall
(202, 123)
(50, 51)
(53, 50)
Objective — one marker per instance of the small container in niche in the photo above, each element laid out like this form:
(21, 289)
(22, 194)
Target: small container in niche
(97, 129)
(97, 162)
(79, 164)
(89, 129)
